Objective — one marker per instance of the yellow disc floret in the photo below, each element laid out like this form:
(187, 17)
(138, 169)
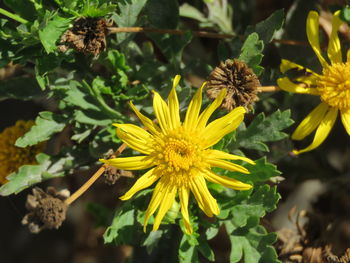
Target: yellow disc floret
(334, 85)
(12, 157)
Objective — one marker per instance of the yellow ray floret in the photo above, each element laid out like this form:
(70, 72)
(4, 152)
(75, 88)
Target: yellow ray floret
(332, 86)
(178, 155)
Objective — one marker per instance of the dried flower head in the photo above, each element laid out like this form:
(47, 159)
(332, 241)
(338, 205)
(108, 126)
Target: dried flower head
(239, 80)
(47, 210)
(13, 157)
(88, 35)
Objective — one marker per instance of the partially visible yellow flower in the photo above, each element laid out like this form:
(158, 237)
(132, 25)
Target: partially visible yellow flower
(11, 156)
(179, 156)
(333, 85)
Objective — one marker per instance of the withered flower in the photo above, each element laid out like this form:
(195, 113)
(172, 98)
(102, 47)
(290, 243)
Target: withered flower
(239, 80)
(88, 35)
(47, 210)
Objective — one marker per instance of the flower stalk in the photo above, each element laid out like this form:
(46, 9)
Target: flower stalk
(13, 16)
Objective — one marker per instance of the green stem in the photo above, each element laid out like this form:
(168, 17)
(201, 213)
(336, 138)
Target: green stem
(96, 94)
(13, 16)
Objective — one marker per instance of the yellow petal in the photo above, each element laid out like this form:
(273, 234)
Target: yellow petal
(348, 55)
(130, 163)
(310, 123)
(322, 131)
(210, 153)
(205, 115)
(287, 85)
(174, 109)
(345, 118)
(143, 182)
(193, 110)
(227, 165)
(222, 126)
(152, 127)
(157, 196)
(166, 203)
(205, 200)
(161, 111)
(312, 31)
(184, 197)
(288, 65)
(334, 48)
(226, 181)
(135, 137)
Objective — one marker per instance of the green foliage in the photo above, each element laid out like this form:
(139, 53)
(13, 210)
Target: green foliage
(29, 175)
(52, 31)
(267, 28)
(46, 124)
(89, 93)
(263, 129)
(251, 52)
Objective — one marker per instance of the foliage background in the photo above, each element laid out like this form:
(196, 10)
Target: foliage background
(51, 85)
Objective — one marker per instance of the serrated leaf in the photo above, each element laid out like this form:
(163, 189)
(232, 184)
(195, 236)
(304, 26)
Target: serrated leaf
(91, 117)
(128, 16)
(24, 9)
(251, 52)
(122, 229)
(52, 31)
(152, 240)
(28, 175)
(163, 13)
(249, 240)
(260, 172)
(263, 200)
(251, 244)
(46, 124)
(267, 28)
(187, 252)
(172, 46)
(263, 129)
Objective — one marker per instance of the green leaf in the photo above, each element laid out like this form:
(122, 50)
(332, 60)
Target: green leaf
(128, 16)
(163, 13)
(46, 124)
(152, 240)
(22, 88)
(172, 46)
(253, 245)
(28, 175)
(186, 10)
(260, 172)
(267, 28)
(122, 229)
(263, 129)
(250, 241)
(91, 117)
(23, 8)
(52, 31)
(251, 52)
(187, 252)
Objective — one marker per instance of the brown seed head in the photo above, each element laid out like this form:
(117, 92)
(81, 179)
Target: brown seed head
(46, 209)
(239, 80)
(88, 35)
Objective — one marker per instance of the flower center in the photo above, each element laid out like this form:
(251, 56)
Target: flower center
(334, 85)
(178, 152)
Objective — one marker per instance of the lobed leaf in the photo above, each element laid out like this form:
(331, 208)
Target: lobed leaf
(46, 124)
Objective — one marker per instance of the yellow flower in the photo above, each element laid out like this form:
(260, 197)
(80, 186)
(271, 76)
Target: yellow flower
(333, 85)
(179, 155)
(11, 156)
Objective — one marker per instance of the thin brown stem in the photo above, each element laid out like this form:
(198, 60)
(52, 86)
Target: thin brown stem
(166, 31)
(205, 34)
(268, 89)
(92, 179)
